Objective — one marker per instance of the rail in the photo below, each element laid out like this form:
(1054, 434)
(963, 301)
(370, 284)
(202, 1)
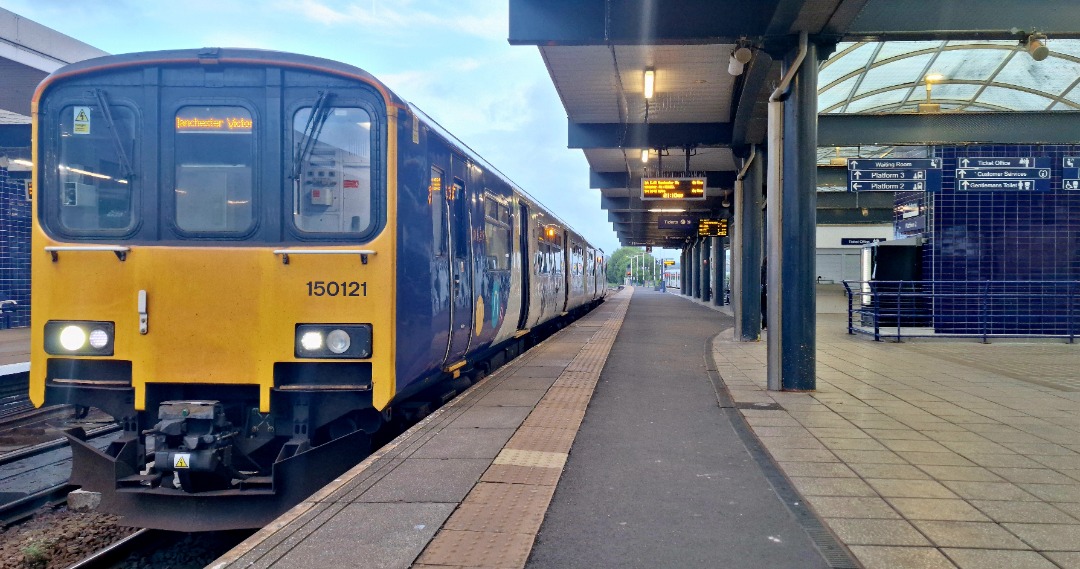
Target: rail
(964, 309)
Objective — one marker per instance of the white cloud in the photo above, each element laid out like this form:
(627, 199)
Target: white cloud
(486, 20)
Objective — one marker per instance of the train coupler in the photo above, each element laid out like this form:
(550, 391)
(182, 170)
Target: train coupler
(192, 437)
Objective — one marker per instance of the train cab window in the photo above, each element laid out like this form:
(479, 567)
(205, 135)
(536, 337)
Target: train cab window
(332, 169)
(97, 182)
(215, 159)
(497, 233)
(438, 212)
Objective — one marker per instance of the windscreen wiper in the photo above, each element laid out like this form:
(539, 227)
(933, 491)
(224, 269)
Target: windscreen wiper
(319, 113)
(126, 171)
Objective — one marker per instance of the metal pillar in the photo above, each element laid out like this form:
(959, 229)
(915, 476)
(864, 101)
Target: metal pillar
(684, 270)
(695, 264)
(706, 269)
(718, 270)
(792, 203)
(746, 252)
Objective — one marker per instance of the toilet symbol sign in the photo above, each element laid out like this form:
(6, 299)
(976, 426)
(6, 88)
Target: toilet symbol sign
(82, 120)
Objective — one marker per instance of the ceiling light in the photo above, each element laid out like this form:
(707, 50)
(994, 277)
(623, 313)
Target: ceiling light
(644, 155)
(738, 60)
(1036, 47)
(650, 83)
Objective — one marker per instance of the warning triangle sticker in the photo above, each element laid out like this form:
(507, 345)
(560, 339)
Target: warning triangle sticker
(180, 462)
(82, 116)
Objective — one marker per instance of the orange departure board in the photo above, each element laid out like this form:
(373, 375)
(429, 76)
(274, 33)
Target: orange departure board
(673, 188)
(712, 227)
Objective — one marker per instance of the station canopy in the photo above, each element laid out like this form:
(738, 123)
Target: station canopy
(875, 77)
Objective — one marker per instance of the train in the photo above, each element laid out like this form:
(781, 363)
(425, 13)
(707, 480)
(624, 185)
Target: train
(254, 261)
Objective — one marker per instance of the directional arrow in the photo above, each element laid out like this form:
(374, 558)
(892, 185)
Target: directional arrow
(854, 164)
(857, 175)
(856, 186)
(962, 173)
(965, 162)
(965, 184)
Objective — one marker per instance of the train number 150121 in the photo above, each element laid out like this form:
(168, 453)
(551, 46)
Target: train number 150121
(331, 288)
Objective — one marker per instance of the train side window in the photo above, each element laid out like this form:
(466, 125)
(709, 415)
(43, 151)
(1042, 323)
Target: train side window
(332, 166)
(462, 241)
(438, 212)
(97, 154)
(497, 233)
(215, 158)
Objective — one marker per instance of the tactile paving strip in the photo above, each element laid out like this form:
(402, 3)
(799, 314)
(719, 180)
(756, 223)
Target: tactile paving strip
(496, 524)
(531, 458)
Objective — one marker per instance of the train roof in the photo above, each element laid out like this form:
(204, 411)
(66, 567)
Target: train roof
(222, 55)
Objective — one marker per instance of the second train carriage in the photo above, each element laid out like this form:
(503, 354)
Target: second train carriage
(249, 257)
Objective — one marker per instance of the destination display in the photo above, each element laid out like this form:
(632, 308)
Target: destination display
(1025, 173)
(712, 227)
(894, 175)
(1070, 172)
(669, 262)
(673, 188)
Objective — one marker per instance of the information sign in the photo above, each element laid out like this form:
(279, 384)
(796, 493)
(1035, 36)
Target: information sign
(679, 222)
(669, 262)
(894, 175)
(1070, 172)
(860, 240)
(712, 227)
(1026, 173)
(673, 188)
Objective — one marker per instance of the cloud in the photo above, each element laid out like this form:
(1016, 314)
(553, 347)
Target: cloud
(485, 20)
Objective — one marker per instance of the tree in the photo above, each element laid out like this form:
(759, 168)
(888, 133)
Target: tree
(624, 256)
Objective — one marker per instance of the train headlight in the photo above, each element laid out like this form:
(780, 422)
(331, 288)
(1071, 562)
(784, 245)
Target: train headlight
(346, 341)
(64, 338)
(338, 341)
(311, 341)
(72, 338)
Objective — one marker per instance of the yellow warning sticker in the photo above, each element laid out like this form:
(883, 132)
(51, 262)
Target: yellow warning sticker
(181, 460)
(82, 120)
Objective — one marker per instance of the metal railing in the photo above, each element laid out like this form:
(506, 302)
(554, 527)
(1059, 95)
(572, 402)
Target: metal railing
(964, 309)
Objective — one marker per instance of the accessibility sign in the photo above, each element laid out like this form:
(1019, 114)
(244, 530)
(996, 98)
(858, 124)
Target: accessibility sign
(1070, 172)
(894, 174)
(1025, 173)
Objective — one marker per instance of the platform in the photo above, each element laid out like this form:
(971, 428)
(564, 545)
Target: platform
(14, 350)
(914, 455)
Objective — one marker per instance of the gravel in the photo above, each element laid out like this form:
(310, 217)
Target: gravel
(58, 538)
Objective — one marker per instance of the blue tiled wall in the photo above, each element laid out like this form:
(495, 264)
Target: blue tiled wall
(1005, 236)
(14, 251)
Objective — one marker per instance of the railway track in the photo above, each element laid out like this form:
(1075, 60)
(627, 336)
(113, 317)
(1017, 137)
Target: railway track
(36, 476)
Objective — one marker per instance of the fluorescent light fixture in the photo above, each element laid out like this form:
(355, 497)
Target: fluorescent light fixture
(644, 155)
(650, 83)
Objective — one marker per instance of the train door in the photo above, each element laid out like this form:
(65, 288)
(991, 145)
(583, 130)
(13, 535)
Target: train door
(525, 264)
(461, 273)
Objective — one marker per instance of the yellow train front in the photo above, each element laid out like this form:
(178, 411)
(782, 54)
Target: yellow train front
(250, 259)
(214, 265)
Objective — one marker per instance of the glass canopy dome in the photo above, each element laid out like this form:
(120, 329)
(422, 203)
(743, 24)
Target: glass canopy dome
(870, 77)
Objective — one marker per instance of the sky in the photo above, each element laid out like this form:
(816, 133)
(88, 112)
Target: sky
(448, 57)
